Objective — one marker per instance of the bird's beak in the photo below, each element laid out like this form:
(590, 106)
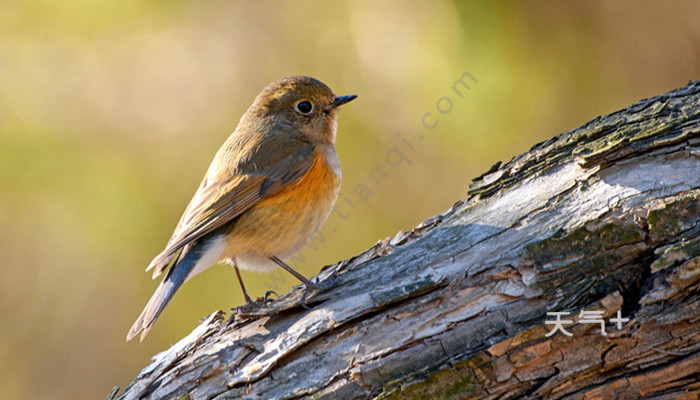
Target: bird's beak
(340, 100)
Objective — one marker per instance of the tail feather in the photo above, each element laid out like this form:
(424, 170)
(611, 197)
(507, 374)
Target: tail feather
(162, 261)
(176, 276)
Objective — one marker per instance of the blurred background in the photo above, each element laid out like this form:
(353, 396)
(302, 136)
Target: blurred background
(110, 112)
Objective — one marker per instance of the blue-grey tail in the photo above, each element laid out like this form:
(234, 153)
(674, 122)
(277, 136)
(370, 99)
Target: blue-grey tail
(176, 276)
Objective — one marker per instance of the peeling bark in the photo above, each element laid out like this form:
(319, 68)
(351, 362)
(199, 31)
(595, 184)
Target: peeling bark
(604, 218)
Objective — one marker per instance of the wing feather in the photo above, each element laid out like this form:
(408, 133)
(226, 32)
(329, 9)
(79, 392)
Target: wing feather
(223, 196)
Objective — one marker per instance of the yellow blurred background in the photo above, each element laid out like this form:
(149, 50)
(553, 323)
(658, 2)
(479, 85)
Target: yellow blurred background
(110, 112)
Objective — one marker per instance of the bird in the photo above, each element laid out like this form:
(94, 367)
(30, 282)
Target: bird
(270, 187)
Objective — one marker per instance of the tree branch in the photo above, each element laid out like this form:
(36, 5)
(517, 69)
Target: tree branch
(604, 218)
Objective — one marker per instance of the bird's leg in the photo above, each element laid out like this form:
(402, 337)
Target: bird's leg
(240, 280)
(307, 283)
(249, 303)
(297, 275)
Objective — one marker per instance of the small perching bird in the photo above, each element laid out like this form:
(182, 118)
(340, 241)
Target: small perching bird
(270, 187)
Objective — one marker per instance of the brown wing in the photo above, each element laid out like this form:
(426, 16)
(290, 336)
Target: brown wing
(224, 195)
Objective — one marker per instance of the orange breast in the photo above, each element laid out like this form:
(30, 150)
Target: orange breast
(281, 224)
(314, 187)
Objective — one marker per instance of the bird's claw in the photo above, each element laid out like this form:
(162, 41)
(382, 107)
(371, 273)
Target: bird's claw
(263, 300)
(326, 284)
(250, 304)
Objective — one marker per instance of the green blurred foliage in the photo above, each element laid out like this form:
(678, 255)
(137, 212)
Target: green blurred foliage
(110, 112)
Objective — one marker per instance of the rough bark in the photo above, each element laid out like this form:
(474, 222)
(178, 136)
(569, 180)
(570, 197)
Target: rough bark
(605, 217)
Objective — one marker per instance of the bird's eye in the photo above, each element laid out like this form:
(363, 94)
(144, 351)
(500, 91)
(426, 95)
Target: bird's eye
(305, 107)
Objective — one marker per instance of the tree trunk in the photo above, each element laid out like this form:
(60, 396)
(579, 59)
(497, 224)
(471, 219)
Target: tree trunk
(599, 220)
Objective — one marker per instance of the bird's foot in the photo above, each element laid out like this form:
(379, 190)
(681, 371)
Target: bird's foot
(251, 305)
(263, 300)
(317, 286)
